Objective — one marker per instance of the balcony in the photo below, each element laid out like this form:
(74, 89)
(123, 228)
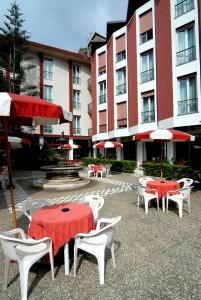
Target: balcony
(102, 99)
(148, 116)
(147, 76)
(188, 106)
(48, 75)
(183, 7)
(186, 55)
(76, 80)
(89, 131)
(76, 130)
(120, 89)
(76, 105)
(90, 108)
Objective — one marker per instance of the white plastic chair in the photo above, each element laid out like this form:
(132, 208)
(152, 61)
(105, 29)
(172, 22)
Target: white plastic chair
(102, 171)
(143, 180)
(90, 170)
(26, 252)
(185, 182)
(30, 206)
(145, 195)
(96, 242)
(108, 169)
(180, 196)
(96, 203)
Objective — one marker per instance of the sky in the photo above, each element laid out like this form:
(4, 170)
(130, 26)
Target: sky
(66, 24)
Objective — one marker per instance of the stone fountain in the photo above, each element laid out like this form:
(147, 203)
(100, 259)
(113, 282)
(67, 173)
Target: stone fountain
(62, 176)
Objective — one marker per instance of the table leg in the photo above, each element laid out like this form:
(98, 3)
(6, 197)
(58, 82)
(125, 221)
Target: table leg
(163, 203)
(66, 259)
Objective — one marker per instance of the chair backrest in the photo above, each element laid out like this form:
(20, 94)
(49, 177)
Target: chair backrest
(30, 206)
(90, 166)
(95, 202)
(186, 192)
(107, 232)
(185, 182)
(143, 180)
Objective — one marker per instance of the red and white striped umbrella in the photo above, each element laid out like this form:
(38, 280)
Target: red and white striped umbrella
(108, 144)
(69, 146)
(15, 142)
(164, 135)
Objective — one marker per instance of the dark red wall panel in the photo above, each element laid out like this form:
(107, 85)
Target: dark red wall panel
(110, 85)
(132, 73)
(93, 92)
(70, 64)
(164, 59)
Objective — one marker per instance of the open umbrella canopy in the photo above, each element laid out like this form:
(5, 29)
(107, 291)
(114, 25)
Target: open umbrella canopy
(15, 142)
(32, 111)
(69, 146)
(108, 144)
(29, 111)
(164, 135)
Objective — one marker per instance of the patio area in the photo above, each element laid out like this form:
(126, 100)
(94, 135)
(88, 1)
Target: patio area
(157, 255)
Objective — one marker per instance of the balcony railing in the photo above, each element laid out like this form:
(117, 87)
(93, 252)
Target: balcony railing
(186, 55)
(76, 80)
(183, 7)
(48, 75)
(120, 56)
(76, 130)
(121, 89)
(102, 128)
(188, 106)
(89, 131)
(90, 108)
(102, 99)
(148, 116)
(76, 105)
(147, 75)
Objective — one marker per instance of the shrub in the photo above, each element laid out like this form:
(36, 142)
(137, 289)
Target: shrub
(169, 171)
(127, 166)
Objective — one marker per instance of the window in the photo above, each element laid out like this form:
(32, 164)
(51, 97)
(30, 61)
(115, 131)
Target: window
(48, 92)
(76, 74)
(121, 56)
(183, 6)
(148, 110)
(48, 129)
(122, 115)
(102, 121)
(187, 96)
(76, 125)
(102, 92)
(146, 36)
(186, 45)
(76, 99)
(102, 63)
(102, 70)
(147, 66)
(121, 81)
(48, 69)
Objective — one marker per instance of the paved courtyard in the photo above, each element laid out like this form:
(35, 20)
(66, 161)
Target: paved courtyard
(157, 255)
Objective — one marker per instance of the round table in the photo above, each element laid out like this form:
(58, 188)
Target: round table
(163, 186)
(60, 226)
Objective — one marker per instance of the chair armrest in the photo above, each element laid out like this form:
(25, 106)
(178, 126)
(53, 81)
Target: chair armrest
(16, 231)
(102, 220)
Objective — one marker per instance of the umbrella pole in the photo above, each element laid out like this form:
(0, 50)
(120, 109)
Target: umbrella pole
(5, 125)
(161, 166)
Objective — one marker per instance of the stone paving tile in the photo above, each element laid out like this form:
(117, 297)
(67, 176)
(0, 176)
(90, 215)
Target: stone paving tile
(157, 255)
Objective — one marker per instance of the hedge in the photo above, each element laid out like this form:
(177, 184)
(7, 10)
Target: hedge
(169, 171)
(127, 166)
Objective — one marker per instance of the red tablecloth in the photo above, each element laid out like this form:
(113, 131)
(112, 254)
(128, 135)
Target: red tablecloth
(163, 186)
(96, 168)
(61, 226)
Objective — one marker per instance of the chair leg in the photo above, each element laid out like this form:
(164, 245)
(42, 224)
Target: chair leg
(66, 259)
(101, 265)
(7, 267)
(146, 206)
(189, 206)
(51, 262)
(138, 201)
(24, 271)
(112, 253)
(157, 204)
(167, 203)
(180, 209)
(75, 260)
(163, 203)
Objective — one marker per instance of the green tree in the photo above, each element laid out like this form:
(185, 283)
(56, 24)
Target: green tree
(14, 58)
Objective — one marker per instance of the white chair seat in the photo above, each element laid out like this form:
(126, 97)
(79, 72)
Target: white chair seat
(179, 197)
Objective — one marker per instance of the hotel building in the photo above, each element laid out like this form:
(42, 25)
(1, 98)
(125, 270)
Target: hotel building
(147, 76)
